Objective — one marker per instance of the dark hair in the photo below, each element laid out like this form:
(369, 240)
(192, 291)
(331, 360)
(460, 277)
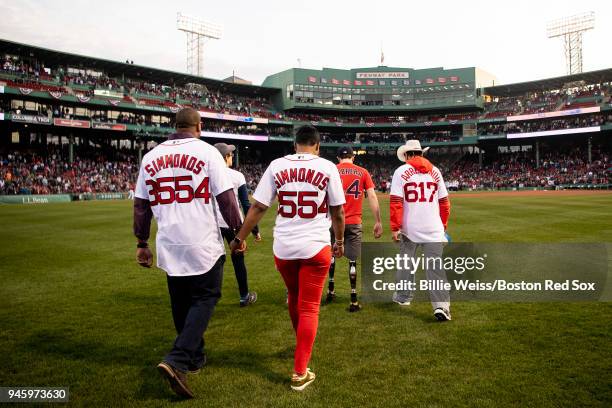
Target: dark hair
(345, 155)
(187, 118)
(307, 135)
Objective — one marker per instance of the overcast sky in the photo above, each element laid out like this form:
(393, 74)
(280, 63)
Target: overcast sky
(505, 38)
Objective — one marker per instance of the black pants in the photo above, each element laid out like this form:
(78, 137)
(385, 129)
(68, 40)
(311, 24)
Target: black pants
(193, 300)
(239, 266)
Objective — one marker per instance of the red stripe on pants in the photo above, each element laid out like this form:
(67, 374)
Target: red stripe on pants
(304, 279)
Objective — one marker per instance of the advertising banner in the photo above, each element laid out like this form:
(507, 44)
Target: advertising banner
(109, 126)
(554, 132)
(1, 88)
(223, 116)
(218, 135)
(555, 114)
(34, 199)
(84, 124)
(39, 120)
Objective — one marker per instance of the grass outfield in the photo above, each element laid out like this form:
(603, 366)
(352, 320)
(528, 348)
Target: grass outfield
(76, 310)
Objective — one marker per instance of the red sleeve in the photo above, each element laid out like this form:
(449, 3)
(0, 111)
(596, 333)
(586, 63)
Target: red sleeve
(367, 181)
(444, 204)
(397, 212)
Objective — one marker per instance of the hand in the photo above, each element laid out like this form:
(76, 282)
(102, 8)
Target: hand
(258, 237)
(236, 248)
(396, 235)
(144, 257)
(378, 230)
(338, 250)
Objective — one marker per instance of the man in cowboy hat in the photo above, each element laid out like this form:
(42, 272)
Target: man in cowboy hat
(419, 209)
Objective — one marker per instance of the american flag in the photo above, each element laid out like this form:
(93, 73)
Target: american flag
(417, 82)
(429, 81)
(441, 80)
(323, 80)
(454, 79)
(358, 82)
(312, 79)
(335, 81)
(346, 82)
(368, 82)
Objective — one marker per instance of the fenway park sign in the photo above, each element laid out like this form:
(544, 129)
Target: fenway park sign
(382, 75)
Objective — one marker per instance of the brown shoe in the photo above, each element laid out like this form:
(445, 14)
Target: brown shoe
(176, 379)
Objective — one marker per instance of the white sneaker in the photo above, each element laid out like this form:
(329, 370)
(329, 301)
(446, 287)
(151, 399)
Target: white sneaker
(298, 383)
(400, 302)
(442, 314)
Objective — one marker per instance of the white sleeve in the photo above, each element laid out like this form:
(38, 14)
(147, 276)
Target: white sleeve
(241, 179)
(220, 181)
(442, 191)
(141, 190)
(266, 188)
(397, 188)
(335, 191)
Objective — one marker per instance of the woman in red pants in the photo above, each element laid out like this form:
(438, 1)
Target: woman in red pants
(310, 200)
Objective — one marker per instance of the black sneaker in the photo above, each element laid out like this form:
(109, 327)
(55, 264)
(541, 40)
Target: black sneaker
(250, 298)
(176, 379)
(354, 307)
(331, 296)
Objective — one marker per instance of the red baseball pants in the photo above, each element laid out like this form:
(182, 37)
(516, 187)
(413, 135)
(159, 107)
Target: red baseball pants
(304, 279)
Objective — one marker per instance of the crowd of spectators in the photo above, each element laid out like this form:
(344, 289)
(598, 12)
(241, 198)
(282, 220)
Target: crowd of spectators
(520, 170)
(570, 122)
(35, 172)
(51, 173)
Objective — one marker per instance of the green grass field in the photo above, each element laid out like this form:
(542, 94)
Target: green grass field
(76, 310)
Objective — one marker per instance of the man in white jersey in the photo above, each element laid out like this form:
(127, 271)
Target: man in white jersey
(419, 209)
(180, 183)
(310, 201)
(242, 195)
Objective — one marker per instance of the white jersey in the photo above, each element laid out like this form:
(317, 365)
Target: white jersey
(305, 184)
(180, 178)
(237, 179)
(421, 212)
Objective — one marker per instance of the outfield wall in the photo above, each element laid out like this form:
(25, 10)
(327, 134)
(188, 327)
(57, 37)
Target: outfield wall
(59, 198)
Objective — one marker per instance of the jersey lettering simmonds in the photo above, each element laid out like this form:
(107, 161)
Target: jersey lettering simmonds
(305, 185)
(421, 212)
(180, 178)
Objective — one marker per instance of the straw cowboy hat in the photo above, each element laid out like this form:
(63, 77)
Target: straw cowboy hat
(410, 146)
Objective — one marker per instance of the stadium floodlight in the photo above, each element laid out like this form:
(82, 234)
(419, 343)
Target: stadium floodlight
(571, 29)
(198, 32)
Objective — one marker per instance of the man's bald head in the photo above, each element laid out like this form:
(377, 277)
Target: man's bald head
(188, 121)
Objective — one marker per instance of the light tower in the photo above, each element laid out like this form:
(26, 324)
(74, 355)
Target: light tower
(198, 32)
(571, 29)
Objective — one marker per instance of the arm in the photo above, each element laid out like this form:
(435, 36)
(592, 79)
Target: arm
(255, 214)
(337, 217)
(142, 223)
(373, 202)
(142, 219)
(243, 197)
(229, 209)
(444, 204)
(396, 205)
(443, 201)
